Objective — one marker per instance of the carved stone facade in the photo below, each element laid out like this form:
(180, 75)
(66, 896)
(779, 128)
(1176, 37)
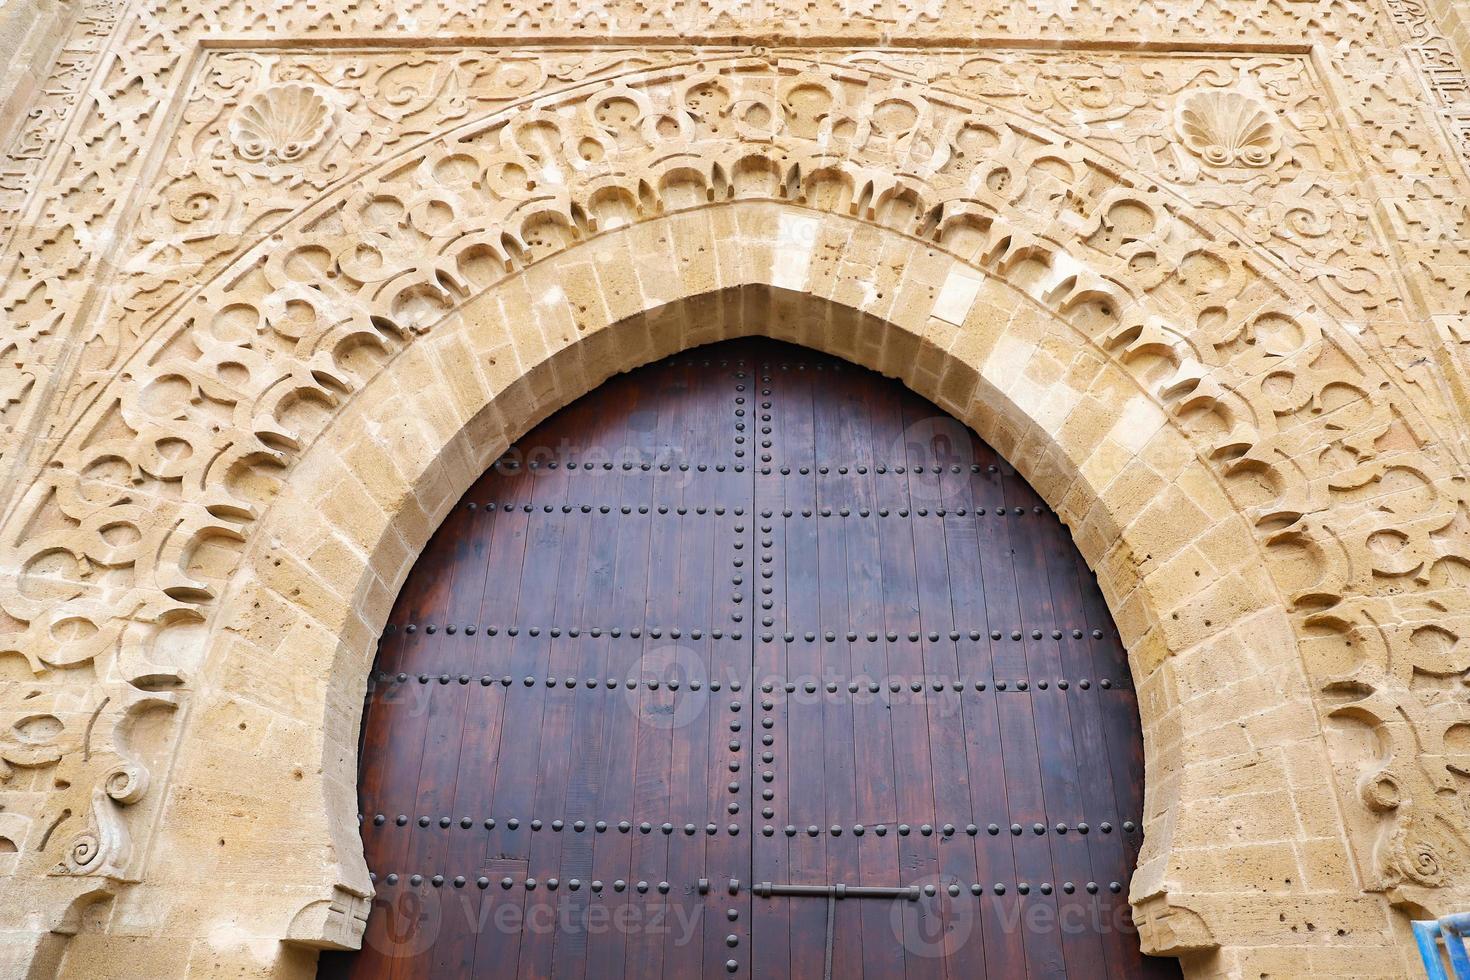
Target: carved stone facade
(280, 279)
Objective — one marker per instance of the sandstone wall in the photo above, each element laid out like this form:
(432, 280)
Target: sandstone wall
(279, 279)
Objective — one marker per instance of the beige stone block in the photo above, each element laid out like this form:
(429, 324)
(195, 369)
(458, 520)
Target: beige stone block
(1287, 722)
(1268, 867)
(957, 384)
(1253, 817)
(957, 295)
(1289, 963)
(421, 384)
(1051, 473)
(1201, 486)
(405, 437)
(1228, 543)
(435, 491)
(1056, 400)
(339, 561)
(1180, 578)
(99, 957)
(295, 581)
(1093, 535)
(1219, 605)
(376, 470)
(693, 246)
(1317, 806)
(756, 245)
(1325, 865)
(460, 375)
(392, 554)
(1209, 737)
(1358, 961)
(852, 286)
(1242, 773)
(1258, 693)
(1138, 498)
(1146, 657)
(512, 311)
(354, 513)
(1168, 522)
(651, 248)
(1132, 615)
(1085, 436)
(903, 300)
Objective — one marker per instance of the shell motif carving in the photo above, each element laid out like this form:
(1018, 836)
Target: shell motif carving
(1227, 129)
(280, 124)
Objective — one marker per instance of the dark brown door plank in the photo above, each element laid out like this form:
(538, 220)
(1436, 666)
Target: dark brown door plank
(836, 498)
(917, 923)
(876, 792)
(727, 454)
(805, 779)
(1017, 741)
(684, 657)
(1082, 949)
(771, 938)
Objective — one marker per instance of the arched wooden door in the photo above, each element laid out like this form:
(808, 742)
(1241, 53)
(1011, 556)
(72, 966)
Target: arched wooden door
(750, 662)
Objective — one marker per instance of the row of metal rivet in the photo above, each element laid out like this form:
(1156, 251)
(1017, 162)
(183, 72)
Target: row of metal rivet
(823, 469)
(809, 687)
(682, 510)
(690, 829)
(530, 883)
(697, 633)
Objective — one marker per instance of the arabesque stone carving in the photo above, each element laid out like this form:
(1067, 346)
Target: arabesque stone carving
(1267, 241)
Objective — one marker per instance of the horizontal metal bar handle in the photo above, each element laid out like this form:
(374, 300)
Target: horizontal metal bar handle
(767, 890)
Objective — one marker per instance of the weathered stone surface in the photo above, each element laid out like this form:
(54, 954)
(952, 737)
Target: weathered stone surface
(269, 304)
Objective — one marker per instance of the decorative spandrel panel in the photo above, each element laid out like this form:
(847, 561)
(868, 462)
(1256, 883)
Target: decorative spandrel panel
(265, 134)
(1246, 140)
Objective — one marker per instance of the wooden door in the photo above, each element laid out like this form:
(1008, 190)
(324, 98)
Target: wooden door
(750, 663)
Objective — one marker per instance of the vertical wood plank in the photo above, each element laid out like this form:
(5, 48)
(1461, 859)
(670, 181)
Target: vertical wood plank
(772, 856)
